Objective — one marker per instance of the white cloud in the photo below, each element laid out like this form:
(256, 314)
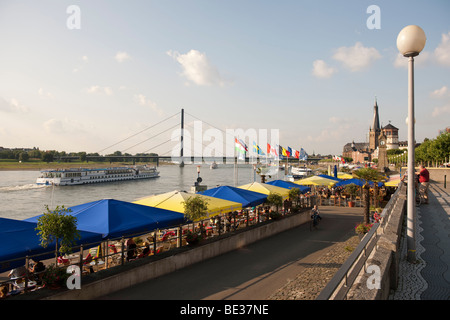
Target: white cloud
(54, 126)
(439, 111)
(143, 101)
(197, 68)
(107, 91)
(442, 52)
(122, 56)
(13, 106)
(64, 126)
(98, 89)
(438, 93)
(93, 89)
(85, 58)
(42, 93)
(356, 58)
(322, 70)
(402, 62)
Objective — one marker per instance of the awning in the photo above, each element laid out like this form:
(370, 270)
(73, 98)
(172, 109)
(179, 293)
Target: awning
(20, 238)
(316, 181)
(289, 185)
(246, 197)
(174, 200)
(266, 189)
(114, 218)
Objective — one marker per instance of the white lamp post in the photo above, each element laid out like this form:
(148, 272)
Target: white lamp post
(410, 42)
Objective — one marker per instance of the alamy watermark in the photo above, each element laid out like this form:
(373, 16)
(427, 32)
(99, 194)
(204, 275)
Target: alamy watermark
(74, 280)
(214, 145)
(374, 20)
(74, 19)
(374, 280)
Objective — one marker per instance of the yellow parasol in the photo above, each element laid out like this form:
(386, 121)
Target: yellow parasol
(316, 181)
(266, 189)
(393, 181)
(344, 175)
(174, 201)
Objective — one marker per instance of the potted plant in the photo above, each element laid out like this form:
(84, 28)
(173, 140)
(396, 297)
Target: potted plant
(54, 277)
(192, 237)
(362, 228)
(352, 190)
(275, 215)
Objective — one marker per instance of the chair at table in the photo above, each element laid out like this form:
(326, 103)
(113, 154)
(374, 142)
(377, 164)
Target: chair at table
(63, 261)
(114, 254)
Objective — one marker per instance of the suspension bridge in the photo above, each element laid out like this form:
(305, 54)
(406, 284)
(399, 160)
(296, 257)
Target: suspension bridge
(170, 136)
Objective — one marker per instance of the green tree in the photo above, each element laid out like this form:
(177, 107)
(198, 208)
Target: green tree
(23, 156)
(436, 150)
(195, 208)
(294, 193)
(47, 157)
(367, 174)
(59, 227)
(275, 199)
(82, 156)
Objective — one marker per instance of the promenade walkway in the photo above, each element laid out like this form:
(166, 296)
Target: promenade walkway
(429, 278)
(254, 272)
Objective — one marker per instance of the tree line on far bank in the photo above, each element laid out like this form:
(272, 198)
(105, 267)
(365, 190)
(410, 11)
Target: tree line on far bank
(25, 155)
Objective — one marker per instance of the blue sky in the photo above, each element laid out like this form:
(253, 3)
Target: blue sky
(311, 69)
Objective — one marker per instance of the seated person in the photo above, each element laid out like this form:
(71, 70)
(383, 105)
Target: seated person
(131, 249)
(145, 252)
(38, 266)
(37, 269)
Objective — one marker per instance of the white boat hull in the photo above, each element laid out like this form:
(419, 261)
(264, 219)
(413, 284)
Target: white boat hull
(73, 177)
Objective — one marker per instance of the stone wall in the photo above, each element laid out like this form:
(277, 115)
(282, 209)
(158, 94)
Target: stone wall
(386, 257)
(439, 174)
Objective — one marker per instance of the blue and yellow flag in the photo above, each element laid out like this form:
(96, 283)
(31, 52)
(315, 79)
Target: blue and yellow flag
(257, 149)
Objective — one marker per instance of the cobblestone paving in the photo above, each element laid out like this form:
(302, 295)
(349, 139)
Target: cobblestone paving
(429, 278)
(411, 284)
(308, 284)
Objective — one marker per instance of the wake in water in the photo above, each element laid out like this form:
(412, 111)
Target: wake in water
(23, 187)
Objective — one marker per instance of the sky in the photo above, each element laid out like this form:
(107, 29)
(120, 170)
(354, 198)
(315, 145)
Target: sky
(105, 76)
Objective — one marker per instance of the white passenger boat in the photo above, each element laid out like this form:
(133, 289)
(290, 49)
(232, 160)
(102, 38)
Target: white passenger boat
(69, 177)
(299, 172)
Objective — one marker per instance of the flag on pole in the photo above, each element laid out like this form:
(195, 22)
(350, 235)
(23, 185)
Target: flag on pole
(303, 155)
(272, 151)
(296, 153)
(284, 152)
(240, 148)
(289, 151)
(257, 149)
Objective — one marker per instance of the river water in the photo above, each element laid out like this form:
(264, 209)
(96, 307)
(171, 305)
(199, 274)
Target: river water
(21, 198)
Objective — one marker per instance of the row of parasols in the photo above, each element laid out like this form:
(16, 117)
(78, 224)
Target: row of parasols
(110, 218)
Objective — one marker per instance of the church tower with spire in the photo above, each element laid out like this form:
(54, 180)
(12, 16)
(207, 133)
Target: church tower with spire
(375, 130)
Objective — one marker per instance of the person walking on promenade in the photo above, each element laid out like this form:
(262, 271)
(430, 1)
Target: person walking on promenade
(424, 178)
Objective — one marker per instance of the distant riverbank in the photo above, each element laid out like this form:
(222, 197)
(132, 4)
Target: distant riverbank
(38, 165)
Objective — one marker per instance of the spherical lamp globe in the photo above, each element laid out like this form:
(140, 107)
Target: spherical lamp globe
(411, 41)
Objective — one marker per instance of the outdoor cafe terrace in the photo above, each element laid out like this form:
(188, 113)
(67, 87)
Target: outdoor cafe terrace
(116, 243)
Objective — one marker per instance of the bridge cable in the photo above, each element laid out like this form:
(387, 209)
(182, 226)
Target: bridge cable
(138, 132)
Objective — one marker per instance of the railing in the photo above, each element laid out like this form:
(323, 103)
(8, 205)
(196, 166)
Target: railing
(344, 278)
(115, 251)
